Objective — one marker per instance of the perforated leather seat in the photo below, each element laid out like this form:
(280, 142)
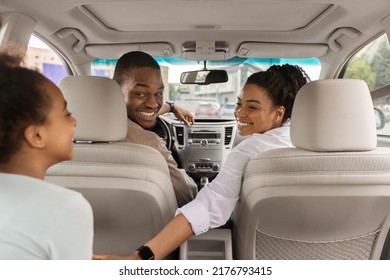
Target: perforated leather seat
(329, 198)
(128, 185)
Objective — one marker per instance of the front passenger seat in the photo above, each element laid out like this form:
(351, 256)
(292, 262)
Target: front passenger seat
(128, 185)
(328, 198)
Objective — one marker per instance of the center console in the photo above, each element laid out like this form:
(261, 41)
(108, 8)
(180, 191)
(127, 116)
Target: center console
(203, 147)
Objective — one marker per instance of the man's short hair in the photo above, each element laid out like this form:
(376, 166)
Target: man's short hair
(132, 60)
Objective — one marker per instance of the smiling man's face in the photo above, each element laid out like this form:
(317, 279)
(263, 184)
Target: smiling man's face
(143, 92)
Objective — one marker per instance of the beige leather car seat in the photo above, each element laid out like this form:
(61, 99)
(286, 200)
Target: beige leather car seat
(328, 198)
(128, 185)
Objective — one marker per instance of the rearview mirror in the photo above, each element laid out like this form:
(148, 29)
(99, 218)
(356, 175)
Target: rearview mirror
(204, 77)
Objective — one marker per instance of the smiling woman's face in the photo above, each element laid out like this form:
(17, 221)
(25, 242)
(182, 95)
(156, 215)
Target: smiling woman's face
(255, 112)
(59, 126)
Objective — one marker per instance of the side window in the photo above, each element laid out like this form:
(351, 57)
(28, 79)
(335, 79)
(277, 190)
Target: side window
(372, 64)
(41, 57)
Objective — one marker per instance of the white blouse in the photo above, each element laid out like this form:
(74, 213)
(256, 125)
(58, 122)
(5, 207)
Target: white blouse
(215, 203)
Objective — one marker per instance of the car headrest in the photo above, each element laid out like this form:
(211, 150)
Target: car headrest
(99, 107)
(334, 115)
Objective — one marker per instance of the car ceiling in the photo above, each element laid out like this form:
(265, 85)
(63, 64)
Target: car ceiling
(203, 29)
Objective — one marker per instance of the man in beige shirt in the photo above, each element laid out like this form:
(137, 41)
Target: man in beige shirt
(139, 76)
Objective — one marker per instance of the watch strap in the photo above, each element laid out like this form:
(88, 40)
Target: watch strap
(172, 105)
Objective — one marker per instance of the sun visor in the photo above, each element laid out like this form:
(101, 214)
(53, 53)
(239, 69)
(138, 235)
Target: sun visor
(117, 50)
(269, 50)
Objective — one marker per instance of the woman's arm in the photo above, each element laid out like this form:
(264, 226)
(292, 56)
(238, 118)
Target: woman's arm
(170, 237)
(176, 232)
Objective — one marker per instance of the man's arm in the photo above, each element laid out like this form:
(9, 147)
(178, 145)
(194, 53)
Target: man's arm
(181, 113)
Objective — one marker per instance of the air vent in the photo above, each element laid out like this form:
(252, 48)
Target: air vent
(180, 135)
(228, 135)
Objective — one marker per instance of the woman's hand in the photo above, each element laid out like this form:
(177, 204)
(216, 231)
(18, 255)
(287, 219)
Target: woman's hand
(133, 256)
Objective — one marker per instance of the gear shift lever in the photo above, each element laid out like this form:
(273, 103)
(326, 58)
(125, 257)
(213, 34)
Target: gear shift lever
(203, 181)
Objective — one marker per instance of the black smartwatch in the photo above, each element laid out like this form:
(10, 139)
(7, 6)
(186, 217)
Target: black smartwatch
(145, 253)
(171, 104)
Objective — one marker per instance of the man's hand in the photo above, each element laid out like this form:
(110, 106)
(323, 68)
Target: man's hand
(184, 115)
(181, 113)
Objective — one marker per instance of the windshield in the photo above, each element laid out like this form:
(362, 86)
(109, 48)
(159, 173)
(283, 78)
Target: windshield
(214, 101)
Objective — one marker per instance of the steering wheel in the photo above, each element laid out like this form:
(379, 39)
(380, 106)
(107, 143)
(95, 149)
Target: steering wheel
(162, 130)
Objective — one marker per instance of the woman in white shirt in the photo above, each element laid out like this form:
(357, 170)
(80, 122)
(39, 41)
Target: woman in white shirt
(38, 220)
(263, 111)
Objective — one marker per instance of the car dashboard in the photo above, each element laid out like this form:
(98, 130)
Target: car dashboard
(202, 148)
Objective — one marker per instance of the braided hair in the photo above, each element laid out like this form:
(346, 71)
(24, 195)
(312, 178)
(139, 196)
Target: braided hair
(281, 83)
(22, 101)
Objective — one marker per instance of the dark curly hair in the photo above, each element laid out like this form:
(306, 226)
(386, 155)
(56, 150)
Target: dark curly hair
(281, 83)
(132, 60)
(22, 101)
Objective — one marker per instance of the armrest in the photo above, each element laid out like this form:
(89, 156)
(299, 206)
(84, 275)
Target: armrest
(216, 244)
